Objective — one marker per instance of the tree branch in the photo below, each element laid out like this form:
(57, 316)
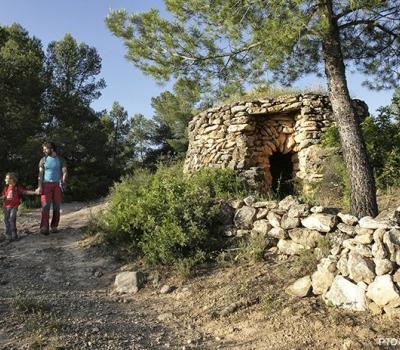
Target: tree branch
(227, 54)
(369, 21)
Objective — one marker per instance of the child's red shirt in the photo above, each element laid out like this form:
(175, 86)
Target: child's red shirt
(12, 195)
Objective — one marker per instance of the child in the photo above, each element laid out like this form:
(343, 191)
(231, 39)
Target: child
(11, 195)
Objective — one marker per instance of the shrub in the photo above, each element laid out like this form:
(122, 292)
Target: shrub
(251, 249)
(122, 221)
(334, 188)
(170, 219)
(382, 138)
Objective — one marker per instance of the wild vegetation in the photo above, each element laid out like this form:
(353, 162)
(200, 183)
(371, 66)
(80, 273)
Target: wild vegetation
(169, 219)
(215, 50)
(381, 134)
(50, 96)
(224, 45)
(47, 96)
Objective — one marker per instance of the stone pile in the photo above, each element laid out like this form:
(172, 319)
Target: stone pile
(243, 136)
(362, 270)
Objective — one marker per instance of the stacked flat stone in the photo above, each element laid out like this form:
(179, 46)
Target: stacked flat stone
(244, 135)
(362, 270)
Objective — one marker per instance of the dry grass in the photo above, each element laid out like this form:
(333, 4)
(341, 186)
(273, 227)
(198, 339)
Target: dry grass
(389, 199)
(40, 325)
(264, 92)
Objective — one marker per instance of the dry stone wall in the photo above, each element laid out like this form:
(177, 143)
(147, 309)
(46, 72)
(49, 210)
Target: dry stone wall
(243, 136)
(361, 269)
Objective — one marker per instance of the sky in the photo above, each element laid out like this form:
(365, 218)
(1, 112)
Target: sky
(50, 20)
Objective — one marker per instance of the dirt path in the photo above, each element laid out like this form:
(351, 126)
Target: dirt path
(55, 294)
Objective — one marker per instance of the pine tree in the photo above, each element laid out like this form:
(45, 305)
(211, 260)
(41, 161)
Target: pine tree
(230, 42)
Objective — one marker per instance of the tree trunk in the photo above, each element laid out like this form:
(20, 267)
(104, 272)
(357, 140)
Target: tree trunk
(363, 191)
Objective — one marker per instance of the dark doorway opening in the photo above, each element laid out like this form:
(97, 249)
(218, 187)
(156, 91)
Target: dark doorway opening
(281, 168)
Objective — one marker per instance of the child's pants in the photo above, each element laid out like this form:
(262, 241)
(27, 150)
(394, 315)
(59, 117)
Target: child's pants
(10, 220)
(51, 195)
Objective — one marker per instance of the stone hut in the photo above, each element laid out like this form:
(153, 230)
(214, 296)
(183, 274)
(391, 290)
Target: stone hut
(273, 142)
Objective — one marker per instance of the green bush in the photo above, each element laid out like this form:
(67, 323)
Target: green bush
(170, 219)
(382, 138)
(331, 137)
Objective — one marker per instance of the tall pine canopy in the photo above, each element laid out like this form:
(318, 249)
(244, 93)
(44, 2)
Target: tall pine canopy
(225, 43)
(22, 85)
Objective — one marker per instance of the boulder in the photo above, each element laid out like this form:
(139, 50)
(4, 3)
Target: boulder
(288, 222)
(299, 210)
(322, 278)
(360, 268)
(262, 226)
(262, 213)
(389, 241)
(274, 219)
(396, 276)
(378, 234)
(346, 295)
(342, 265)
(320, 222)
(359, 248)
(347, 229)
(364, 238)
(249, 201)
(382, 290)
(327, 264)
(317, 209)
(277, 232)
(363, 231)
(378, 250)
(266, 204)
(306, 237)
(244, 217)
(396, 216)
(129, 282)
(321, 281)
(383, 266)
(289, 247)
(288, 202)
(300, 288)
(374, 308)
(348, 219)
(368, 222)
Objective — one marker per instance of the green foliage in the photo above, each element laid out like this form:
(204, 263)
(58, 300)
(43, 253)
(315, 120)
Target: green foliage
(334, 189)
(226, 44)
(173, 111)
(382, 135)
(47, 97)
(21, 89)
(140, 138)
(38, 321)
(382, 138)
(251, 249)
(72, 68)
(28, 305)
(170, 219)
(116, 127)
(331, 137)
(81, 137)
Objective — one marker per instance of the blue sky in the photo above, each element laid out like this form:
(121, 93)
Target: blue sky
(50, 20)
